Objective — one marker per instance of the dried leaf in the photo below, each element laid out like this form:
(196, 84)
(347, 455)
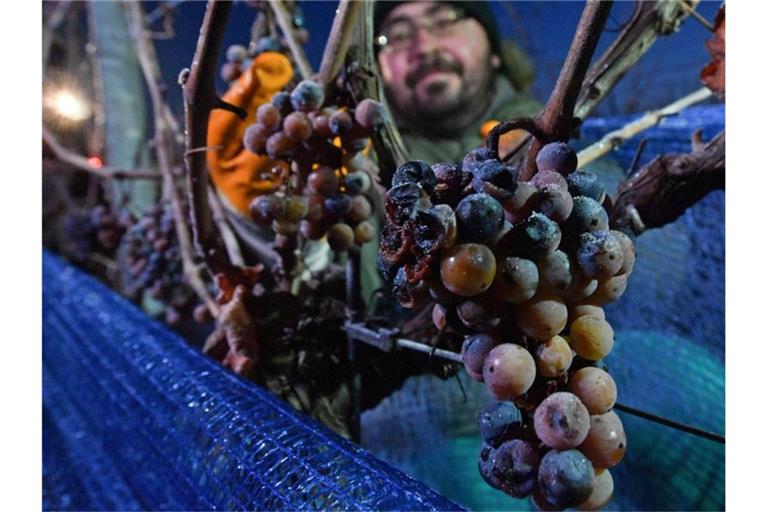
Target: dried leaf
(713, 74)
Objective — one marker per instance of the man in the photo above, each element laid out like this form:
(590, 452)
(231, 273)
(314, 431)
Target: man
(446, 73)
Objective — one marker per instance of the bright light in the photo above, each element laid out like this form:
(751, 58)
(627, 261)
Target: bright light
(68, 105)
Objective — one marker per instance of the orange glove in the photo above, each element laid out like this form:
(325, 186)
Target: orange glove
(236, 172)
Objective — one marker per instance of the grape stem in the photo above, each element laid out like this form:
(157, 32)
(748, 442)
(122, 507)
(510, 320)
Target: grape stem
(82, 163)
(199, 99)
(338, 41)
(555, 121)
(163, 138)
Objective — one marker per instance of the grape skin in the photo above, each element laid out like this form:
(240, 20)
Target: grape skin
(554, 357)
(606, 442)
(541, 317)
(591, 337)
(566, 478)
(561, 421)
(595, 388)
(508, 371)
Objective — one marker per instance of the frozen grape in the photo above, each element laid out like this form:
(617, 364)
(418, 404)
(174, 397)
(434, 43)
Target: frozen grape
(417, 172)
(549, 178)
(587, 215)
(495, 179)
(340, 122)
(555, 274)
(336, 206)
(279, 145)
(516, 280)
(498, 421)
(237, 53)
(508, 371)
(627, 249)
(468, 269)
(479, 315)
(255, 138)
(475, 157)
(522, 203)
(555, 202)
(364, 232)
(599, 254)
(296, 208)
(269, 115)
(307, 96)
(561, 421)
(586, 183)
(541, 317)
(359, 210)
(358, 182)
(554, 357)
(566, 478)
(580, 310)
(595, 388)
(297, 126)
(265, 209)
(533, 238)
(282, 100)
(401, 201)
(230, 71)
(515, 466)
(591, 337)
(323, 180)
(340, 237)
(485, 465)
(606, 442)
(409, 295)
(558, 157)
(609, 290)
(369, 114)
(475, 349)
(601, 493)
(479, 217)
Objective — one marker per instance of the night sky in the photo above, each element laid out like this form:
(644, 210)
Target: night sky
(544, 29)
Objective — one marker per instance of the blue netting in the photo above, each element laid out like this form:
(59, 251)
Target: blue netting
(134, 419)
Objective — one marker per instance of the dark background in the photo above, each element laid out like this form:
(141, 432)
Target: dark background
(544, 29)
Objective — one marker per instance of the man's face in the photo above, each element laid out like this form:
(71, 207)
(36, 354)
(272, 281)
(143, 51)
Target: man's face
(435, 61)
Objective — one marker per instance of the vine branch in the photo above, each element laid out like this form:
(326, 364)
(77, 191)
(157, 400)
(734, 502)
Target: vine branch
(283, 17)
(145, 52)
(339, 40)
(199, 99)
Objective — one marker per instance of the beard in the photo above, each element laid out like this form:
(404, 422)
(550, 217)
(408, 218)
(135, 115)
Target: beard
(440, 92)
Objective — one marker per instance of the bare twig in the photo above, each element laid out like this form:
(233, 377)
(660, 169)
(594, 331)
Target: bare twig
(145, 51)
(365, 83)
(283, 18)
(615, 138)
(338, 40)
(199, 99)
(556, 119)
(649, 21)
(663, 189)
(82, 163)
(228, 236)
(691, 9)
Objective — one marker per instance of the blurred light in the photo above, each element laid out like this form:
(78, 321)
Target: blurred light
(68, 104)
(95, 161)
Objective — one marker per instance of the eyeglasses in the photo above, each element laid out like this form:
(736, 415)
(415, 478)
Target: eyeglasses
(400, 34)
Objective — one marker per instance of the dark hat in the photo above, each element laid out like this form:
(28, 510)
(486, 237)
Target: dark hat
(478, 10)
(513, 60)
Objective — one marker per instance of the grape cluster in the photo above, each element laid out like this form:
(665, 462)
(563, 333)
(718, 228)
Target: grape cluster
(98, 230)
(523, 270)
(151, 255)
(325, 193)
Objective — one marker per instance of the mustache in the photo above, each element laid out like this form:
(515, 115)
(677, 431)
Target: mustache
(434, 62)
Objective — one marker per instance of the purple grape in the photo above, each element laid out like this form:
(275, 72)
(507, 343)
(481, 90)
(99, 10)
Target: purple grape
(485, 466)
(515, 466)
(475, 157)
(566, 478)
(307, 96)
(587, 215)
(600, 254)
(558, 157)
(282, 100)
(587, 184)
(480, 218)
(498, 422)
(533, 238)
(495, 178)
(417, 172)
(474, 350)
